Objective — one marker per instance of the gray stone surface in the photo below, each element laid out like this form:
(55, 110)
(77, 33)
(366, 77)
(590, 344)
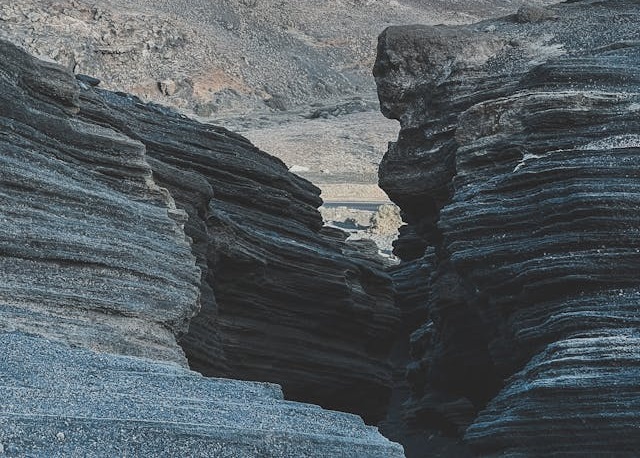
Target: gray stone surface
(102, 265)
(61, 401)
(92, 250)
(516, 170)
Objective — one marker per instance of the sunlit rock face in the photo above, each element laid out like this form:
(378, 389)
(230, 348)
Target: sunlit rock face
(517, 172)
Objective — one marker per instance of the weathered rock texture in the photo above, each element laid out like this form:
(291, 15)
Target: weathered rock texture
(283, 300)
(61, 401)
(92, 250)
(516, 169)
(120, 220)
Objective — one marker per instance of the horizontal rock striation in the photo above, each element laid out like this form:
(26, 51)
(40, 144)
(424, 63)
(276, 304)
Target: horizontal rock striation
(61, 401)
(293, 304)
(119, 220)
(92, 249)
(516, 166)
(123, 219)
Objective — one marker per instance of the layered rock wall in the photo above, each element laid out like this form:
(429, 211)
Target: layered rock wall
(124, 219)
(92, 249)
(283, 300)
(516, 170)
(118, 221)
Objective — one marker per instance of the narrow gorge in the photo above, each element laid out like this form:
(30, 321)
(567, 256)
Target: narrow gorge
(169, 289)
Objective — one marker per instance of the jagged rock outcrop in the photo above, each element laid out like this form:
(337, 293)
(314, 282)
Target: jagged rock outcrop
(516, 170)
(120, 221)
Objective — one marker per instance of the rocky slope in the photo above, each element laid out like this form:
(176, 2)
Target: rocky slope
(212, 57)
(292, 76)
(120, 221)
(516, 170)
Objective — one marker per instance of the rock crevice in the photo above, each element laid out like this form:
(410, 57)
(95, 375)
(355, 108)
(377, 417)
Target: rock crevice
(282, 300)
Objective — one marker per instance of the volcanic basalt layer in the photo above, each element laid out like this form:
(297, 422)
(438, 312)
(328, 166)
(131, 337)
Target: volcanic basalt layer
(93, 251)
(283, 299)
(120, 222)
(517, 172)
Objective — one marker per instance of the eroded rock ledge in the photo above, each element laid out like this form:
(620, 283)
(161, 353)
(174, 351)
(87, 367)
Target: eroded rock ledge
(120, 221)
(517, 172)
(93, 251)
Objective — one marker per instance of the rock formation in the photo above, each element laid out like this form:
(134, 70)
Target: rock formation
(516, 170)
(256, 67)
(119, 221)
(93, 251)
(62, 401)
(282, 299)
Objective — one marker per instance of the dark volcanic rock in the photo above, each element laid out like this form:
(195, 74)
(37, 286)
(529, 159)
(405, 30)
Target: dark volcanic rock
(516, 168)
(62, 401)
(99, 278)
(281, 300)
(92, 250)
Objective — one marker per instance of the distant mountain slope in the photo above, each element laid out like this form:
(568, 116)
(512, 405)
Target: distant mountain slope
(226, 55)
(292, 76)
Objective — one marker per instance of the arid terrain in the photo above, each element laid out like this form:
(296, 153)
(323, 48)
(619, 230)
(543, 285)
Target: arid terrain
(292, 76)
